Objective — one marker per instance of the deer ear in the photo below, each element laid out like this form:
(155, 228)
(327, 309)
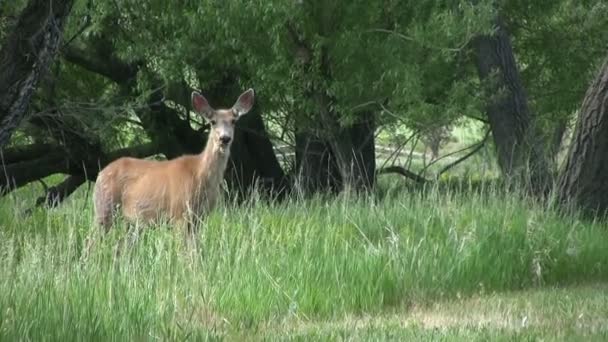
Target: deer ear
(245, 102)
(201, 105)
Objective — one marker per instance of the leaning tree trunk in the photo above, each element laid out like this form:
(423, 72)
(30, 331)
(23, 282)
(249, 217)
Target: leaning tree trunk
(25, 58)
(519, 149)
(584, 178)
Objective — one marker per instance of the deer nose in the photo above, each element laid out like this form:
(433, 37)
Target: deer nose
(225, 139)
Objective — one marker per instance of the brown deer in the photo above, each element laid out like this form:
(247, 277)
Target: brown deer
(176, 190)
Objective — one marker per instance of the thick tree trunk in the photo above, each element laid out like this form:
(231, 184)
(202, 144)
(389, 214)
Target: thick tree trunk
(330, 156)
(364, 151)
(253, 163)
(343, 158)
(170, 133)
(584, 179)
(25, 58)
(316, 166)
(354, 148)
(519, 149)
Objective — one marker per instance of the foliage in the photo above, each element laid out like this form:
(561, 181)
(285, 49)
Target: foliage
(205, 42)
(406, 61)
(559, 46)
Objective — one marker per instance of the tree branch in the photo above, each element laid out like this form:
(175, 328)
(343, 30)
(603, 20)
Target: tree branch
(103, 64)
(22, 153)
(455, 152)
(477, 148)
(402, 171)
(19, 174)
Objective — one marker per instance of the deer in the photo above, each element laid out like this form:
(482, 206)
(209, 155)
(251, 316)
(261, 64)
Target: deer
(179, 190)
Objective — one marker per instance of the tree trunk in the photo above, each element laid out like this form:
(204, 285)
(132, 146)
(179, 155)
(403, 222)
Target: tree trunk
(316, 166)
(354, 147)
(363, 135)
(337, 158)
(330, 156)
(518, 145)
(25, 58)
(253, 163)
(584, 179)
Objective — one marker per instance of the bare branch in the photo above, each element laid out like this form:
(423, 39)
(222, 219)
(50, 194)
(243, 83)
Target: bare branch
(456, 152)
(402, 171)
(413, 40)
(477, 148)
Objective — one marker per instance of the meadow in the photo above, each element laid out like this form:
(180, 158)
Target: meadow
(459, 262)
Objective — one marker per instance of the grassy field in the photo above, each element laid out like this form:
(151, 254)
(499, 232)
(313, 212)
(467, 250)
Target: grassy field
(434, 264)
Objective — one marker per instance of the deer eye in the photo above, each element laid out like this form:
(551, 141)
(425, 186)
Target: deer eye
(213, 122)
(233, 122)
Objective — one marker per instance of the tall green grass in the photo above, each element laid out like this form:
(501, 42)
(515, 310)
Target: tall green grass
(259, 264)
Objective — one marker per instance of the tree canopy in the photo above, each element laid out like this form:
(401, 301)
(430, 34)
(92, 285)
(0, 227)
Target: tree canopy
(329, 78)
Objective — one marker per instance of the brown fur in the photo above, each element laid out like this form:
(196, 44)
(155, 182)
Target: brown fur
(177, 190)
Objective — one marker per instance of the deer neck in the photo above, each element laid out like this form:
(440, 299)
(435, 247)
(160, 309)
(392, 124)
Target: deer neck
(213, 162)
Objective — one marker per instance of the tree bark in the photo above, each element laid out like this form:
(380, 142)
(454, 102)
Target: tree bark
(316, 166)
(354, 148)
(519, 149)
(25, 58)
(584, 178)
(253, 163)
(364, 151)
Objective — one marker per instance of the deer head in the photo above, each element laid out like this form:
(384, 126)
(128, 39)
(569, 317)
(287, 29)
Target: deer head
(222, 121)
